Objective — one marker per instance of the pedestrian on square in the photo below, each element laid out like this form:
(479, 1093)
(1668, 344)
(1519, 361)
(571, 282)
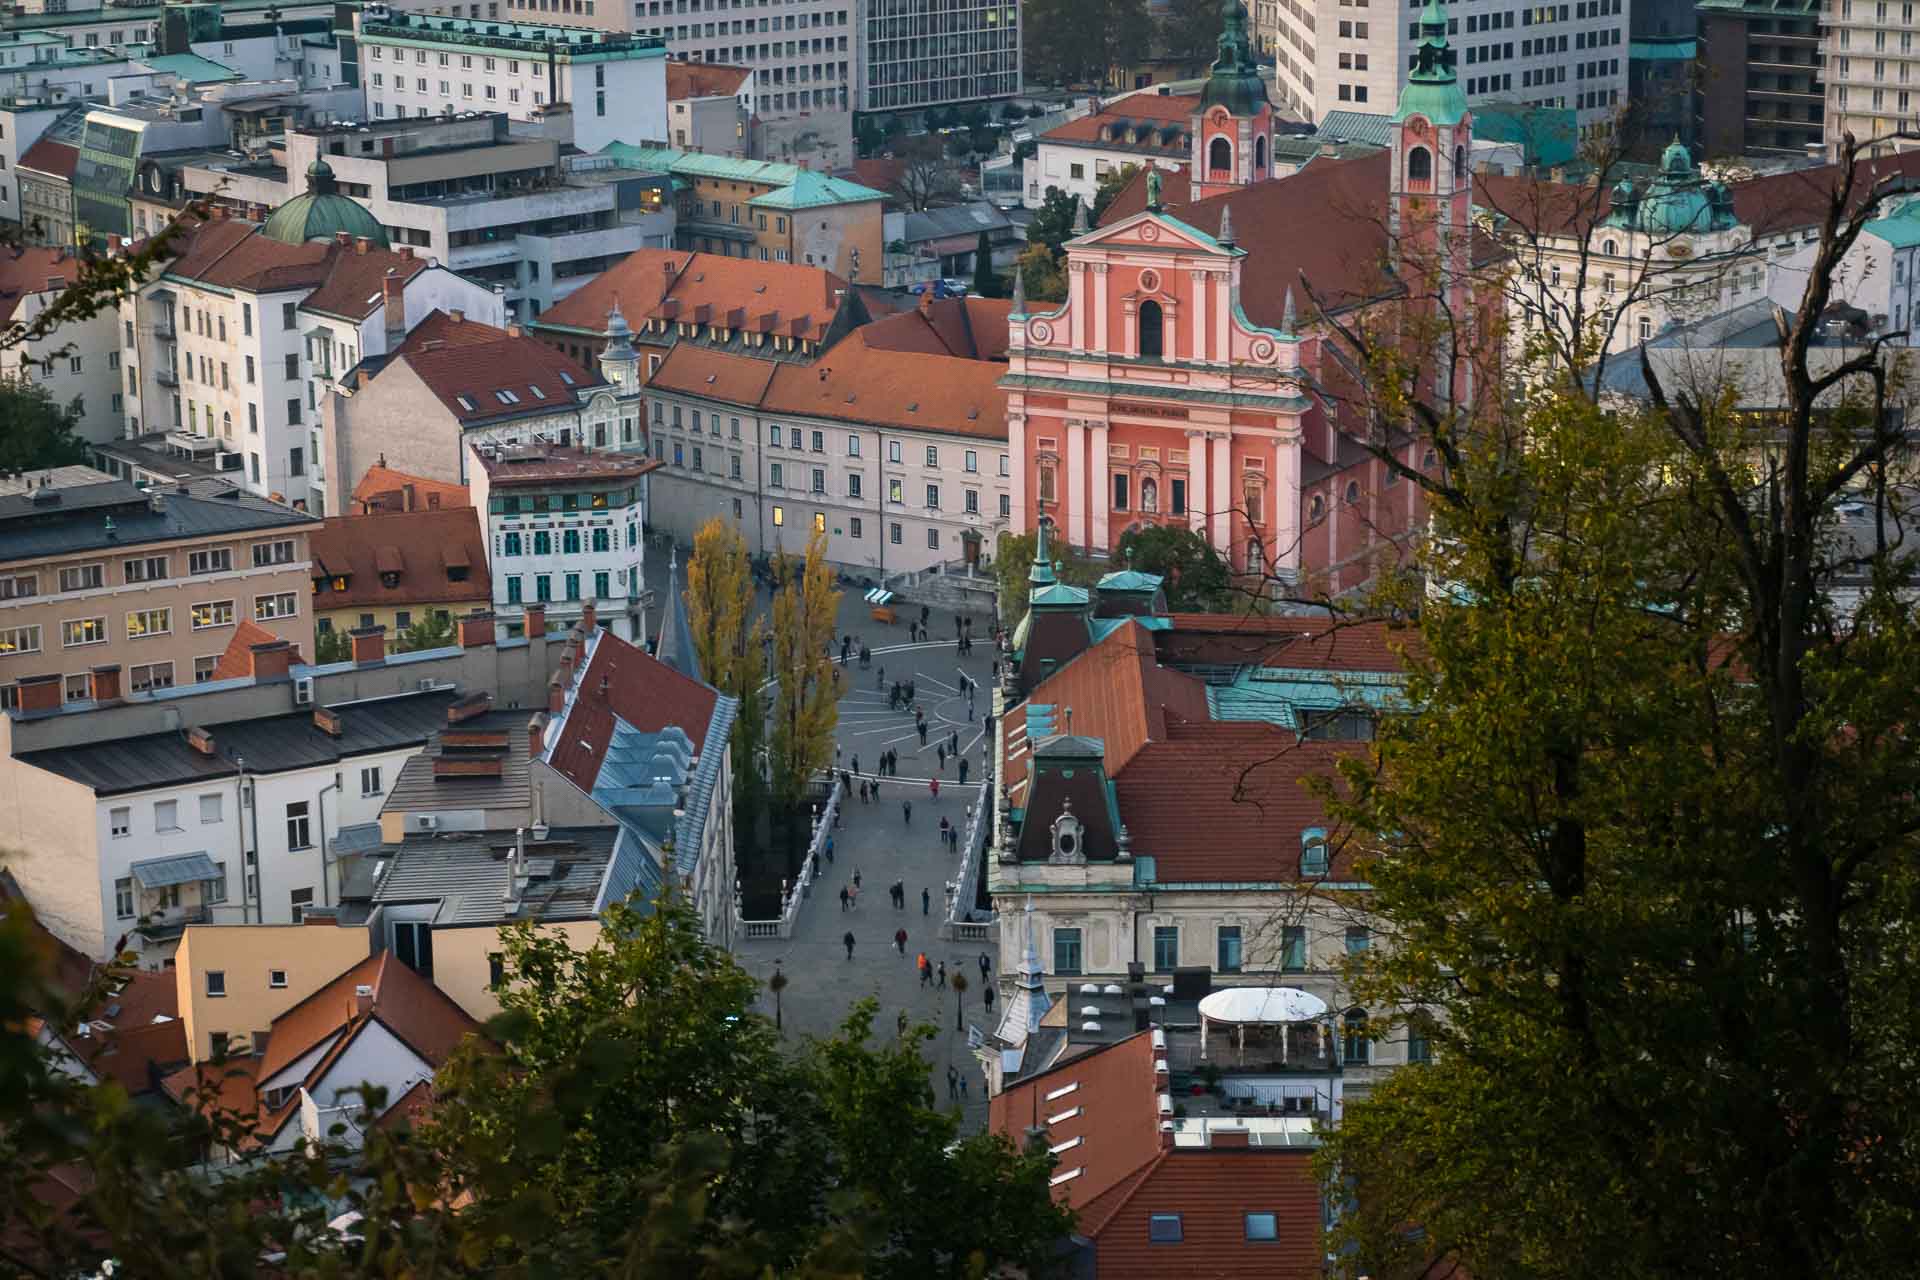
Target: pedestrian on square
(848, 940)
(986, 963)
(963, 771)
(963, 1087)
(906, 812)
(900, 940)
(880, 681)
(942, 754)
(941, 981)
(953, 743)
(925, 614)
(856, 871)
(986, 998)
(926, 902)
(856, 875)
(845, 897)
(856, 764)
(926, 970)
(933, 787)
(953, 1084)
(923, 732)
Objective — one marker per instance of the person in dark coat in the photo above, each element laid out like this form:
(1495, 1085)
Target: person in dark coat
(848, 940)
(926, 902)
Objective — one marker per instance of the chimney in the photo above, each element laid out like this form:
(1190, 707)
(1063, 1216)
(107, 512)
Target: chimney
(362, 1000)
(589, 618)
(475, 630)
(327, 721)
(516, 867)
(270, 661)
(342, 238)
(200, 740)
(369, 645)
(455, 316)
(360, 245)
(406, 251)
(536, 621)
(556, 694)
(103, 683)
(1166, 1135)
(515, 331)
(477, 703)
(394, 303)
(537, 735)
(408, 500)
(39, 693)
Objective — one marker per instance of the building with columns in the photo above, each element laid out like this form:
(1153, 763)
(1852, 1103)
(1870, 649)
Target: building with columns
(1186, 379)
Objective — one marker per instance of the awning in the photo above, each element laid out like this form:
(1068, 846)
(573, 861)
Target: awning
(158, 873)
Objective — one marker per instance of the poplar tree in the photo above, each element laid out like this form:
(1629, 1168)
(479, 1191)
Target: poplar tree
(806, 697)
(729, 639)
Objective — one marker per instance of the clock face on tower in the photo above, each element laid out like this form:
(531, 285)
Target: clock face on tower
(1219, 116)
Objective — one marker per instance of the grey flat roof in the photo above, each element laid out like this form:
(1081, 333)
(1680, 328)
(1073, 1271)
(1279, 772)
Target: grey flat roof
(417, 790)
(466, 872)
(273, 744)
(75, 519)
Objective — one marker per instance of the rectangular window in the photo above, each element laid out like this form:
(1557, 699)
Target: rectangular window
(413, 945)
(1120, 493)
(853, 527)
(819, 442)
(123, 899)
(893, 451)
(933, 455)
(146, 569)
(299, 826)
(146, 676)
(19, 586)
(283, 605)
(933, 497)
(933, 539)
(299, 901)
(370, 781)
(1293, 948)
(80, 631)
(1164, 1228)
(894, 533)
(212, 613)
(1262, 1228)
(120, 822)
(149, 622)
(853, 446)
(272, 553)
(1357, 940)
(287, 317)
(1229, 958)
(18, 640)
(1066, 951)
(1166, 948)
(210, 808)
(216, 983)
(203, 668)
(166, 815)
(83, 577)
(276, 978)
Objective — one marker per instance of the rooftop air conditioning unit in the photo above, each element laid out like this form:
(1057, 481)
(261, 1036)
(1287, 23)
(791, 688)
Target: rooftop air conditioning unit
(429, 822)
(303, 691)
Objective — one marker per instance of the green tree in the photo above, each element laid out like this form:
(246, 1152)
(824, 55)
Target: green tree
(1013, 560)
(1070, 42)
(986, 281)
(871, 140)
(1041, 276)
(806, 697)
(34, 430)
(922, 176)
(1640, 852)
(1189, 30)
(729, 639)
(1052, 223)
(1197, 579)
(433, 631)
(331, 645)
(1108, 188)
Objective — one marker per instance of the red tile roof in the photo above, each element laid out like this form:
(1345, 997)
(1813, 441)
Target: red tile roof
(1212, 1189)
(470, 380)
(425, 547)
(667, 284)
(970, 328)
(50, 157)
(25, 272)
(704, 79)
(355, 280)
(1108, 1099)
(384, 489)
(231, 253)
(549, 464)
(1318, 644)
(854, 381)
(621, 681)
(715, 375)
(237, 661)
(440, 329)
(1158, 113)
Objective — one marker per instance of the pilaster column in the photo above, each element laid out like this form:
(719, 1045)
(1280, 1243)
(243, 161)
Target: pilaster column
(1197, 481)
(1102, 492)
(1170, 331)
(1286, 500)
(1018, 461)
(1100, 338)
(1223, 319)
(1200, 300)
(1223, 495)
(1077, 304)
(1076, 495)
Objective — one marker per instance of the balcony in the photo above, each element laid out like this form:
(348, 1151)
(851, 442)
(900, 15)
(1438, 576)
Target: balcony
(166, 377)
(168, 925)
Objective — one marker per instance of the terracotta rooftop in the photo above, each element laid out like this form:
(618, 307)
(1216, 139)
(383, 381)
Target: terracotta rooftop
(667, 284)
(25, 272)
(1106, 1099)
(716, 375)
(854, 381)
(444, 329)
(50, 157)
(704, 79)
(440, 557)
(231, 253)
(628, 683)
(506, 378)
(384, 489)
(550, 464)
(1148, 123)
(236, 662)
(970, 328)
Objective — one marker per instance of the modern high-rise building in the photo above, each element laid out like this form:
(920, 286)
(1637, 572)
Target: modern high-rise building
(1761, 87)
(1355, 55)
(1872, 50)
(923, 53)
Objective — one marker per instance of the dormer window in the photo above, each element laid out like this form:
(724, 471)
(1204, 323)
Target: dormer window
(1313, 853)
(465, 403)
(505, 396)
(538, 394)
(389, 580)
(1069, 837)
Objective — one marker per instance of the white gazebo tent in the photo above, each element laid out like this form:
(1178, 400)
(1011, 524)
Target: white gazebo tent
(1241, 1007)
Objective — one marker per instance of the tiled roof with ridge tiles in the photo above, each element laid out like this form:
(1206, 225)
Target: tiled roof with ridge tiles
(425, 545)
(1213, 1189)
(854, 381)
(641, 283)
(539, 378)
(1106, 1099)
(641, 690)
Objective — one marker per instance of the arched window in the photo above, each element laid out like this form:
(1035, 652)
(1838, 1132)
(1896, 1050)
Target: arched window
(226, 425)
(1316, 508)
(1260, 154)
(1353, 492)
(1610, 247)
(1220, 155)
(1419, 165)
(1149, 494)
(1420, 1037)
(1313, 853)
(1150, 324)
(1459, 164)
(1356, 1051)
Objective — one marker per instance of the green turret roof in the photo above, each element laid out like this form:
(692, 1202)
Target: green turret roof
(1432, 89)
(322, 213)
(1234, 82)
(1677, 200)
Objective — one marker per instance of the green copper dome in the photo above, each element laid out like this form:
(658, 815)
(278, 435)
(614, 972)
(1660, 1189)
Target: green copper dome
(1432, 89)
(1234, 82)
(322, 213)
(1677, 200)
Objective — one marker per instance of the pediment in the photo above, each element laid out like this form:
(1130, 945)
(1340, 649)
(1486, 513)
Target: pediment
(1160, 232)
